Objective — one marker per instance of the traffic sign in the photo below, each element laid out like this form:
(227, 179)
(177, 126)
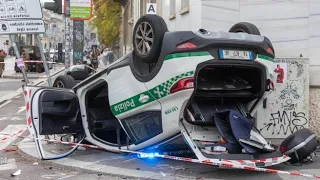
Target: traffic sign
(80, 9)
(151, 8)
(20, 9)
(22, 27)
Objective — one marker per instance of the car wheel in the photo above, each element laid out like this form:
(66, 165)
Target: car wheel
(245, 27)
(147, 37)
(64, 81)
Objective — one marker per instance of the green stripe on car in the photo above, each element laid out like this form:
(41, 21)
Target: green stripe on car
(155, 93)
(188, 54)
(265, 57)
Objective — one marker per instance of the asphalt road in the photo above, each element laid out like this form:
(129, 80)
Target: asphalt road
(12, 120)
(9, 85)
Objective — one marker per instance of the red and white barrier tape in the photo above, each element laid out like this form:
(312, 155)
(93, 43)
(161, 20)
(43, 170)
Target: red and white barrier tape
(50, 62)
(10, 135)
(207, 162)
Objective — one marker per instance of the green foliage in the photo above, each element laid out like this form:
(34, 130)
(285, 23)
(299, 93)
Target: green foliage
(107, 20)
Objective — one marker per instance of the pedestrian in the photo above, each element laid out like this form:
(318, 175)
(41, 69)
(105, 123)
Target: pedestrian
(24, 56)
(94, 56)
(2, 65)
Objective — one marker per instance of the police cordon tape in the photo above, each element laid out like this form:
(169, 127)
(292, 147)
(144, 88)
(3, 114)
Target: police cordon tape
(49, 62)
(222, 163)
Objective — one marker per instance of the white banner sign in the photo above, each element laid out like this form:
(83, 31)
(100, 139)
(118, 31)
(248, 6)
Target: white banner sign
(20, 9)
(21, 27)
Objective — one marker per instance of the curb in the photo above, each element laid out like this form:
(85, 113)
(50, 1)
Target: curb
(20, 76)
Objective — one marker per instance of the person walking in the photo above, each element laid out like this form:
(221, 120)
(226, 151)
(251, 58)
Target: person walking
(24, 56)
(2, 65)
(94, 56)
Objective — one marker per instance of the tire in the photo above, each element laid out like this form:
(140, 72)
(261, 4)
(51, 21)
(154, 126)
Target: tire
(245, 27)
(158, 28)
(64, 81)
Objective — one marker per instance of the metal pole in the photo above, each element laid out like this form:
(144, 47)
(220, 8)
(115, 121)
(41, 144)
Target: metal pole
(67, 34)
(44, 60)
(15, 47)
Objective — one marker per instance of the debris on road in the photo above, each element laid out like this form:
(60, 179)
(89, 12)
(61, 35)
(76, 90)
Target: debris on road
(35, 164)
(11, 149)
(17, 173)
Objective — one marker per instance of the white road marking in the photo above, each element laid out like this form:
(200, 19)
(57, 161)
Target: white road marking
(14, 118)
(11, 129)
(9, 101)
(11, 164)
(21, 109)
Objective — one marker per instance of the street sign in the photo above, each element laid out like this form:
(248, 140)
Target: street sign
(20, 9)
(151, 8)
(22, 27)
(80, 9)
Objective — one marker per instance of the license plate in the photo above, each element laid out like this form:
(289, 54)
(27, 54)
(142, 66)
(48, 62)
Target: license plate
(235, 54)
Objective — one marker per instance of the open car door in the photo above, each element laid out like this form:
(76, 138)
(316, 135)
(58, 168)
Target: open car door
(52, 111)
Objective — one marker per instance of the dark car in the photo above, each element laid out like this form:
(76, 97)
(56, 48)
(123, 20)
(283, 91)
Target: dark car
(34, 55)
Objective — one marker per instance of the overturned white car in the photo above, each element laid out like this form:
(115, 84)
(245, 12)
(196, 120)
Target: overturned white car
(186, 89)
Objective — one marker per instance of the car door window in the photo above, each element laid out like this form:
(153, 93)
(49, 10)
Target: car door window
(143, 126)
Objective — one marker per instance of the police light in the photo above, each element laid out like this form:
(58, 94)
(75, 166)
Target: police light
(148, 155)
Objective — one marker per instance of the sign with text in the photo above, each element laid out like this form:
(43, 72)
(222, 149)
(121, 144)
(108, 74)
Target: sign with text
(20, 9)
(151, 8)
(80, 9)
(22, 27)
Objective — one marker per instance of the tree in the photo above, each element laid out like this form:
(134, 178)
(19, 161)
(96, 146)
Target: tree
(106, 18)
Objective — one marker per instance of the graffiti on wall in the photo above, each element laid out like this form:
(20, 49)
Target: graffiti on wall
(78, 41)
(285, 122)
(287, 107)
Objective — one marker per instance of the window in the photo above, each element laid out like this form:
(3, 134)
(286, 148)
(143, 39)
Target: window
(143, 126)
(172, 14)
(184, 6)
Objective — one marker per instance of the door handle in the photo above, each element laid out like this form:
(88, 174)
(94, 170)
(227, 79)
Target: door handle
(144, 98)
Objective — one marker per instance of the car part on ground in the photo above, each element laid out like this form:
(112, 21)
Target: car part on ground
(245, 27)
(64, 81)
(299, 145)
(148, 36)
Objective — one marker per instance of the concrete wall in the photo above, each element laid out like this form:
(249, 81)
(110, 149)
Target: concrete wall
(182, 20)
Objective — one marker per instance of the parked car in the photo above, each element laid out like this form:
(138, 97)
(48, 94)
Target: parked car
(189, 89)
(34, 55)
